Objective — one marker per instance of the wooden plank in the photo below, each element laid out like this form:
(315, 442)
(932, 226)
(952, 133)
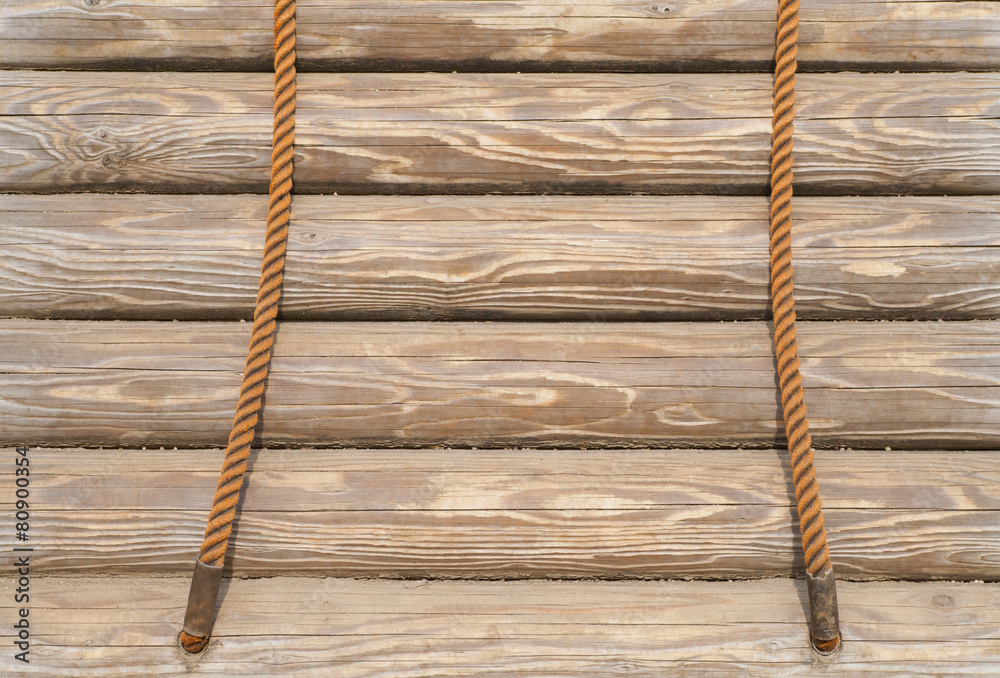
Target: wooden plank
(102, 626)
(522, 34)
(475, 133)
(497, 258)
(499, 385)
(516, 513)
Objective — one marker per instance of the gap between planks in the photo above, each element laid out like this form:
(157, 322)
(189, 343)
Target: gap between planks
(515, 514)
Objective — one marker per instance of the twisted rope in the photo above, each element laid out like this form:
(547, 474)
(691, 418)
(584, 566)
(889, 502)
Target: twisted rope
(213, 548)
(817, 555)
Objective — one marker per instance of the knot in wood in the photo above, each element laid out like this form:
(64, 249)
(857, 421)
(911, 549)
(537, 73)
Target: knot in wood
(115, 160)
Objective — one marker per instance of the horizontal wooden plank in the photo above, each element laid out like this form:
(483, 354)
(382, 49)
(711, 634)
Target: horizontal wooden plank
(516, 513)
(494, 384)
(523, 34)
(497, 258)
(459, 480)
(474, 133)
(103, 626)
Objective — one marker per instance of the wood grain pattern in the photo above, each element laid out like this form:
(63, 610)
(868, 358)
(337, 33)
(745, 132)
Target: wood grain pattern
(103, 626)
(516, 513)
(497, 258)
(902, 385)
(474, 133)
(927, 509)
(518, 34)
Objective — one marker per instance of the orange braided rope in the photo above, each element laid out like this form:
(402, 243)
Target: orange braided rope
(817, 556)
(213, 549)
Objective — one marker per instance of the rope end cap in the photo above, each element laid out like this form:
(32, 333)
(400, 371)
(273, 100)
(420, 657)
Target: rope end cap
(824, 647)
(192, 644)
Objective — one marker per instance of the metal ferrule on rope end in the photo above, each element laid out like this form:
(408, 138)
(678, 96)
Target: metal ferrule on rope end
(824, 626)
(200, 615)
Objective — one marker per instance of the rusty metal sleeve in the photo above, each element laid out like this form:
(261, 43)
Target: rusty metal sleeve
(202, 598)
(824, 618)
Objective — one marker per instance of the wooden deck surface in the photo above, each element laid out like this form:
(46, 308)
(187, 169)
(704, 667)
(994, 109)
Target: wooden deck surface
(910, 385)
(515, 133)
(482, 514)
(96, 626)
(510, 415)
(488, 34)
(551, 257)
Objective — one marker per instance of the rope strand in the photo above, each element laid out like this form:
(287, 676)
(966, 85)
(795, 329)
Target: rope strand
(224, 505)
(814, 546)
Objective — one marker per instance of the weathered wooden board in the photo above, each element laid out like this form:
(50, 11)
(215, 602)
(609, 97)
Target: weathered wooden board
(522, 34)
(516, 513)
(110, 626)
(496, 384)
(473, 133)
(497, 257)
(382, 480)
